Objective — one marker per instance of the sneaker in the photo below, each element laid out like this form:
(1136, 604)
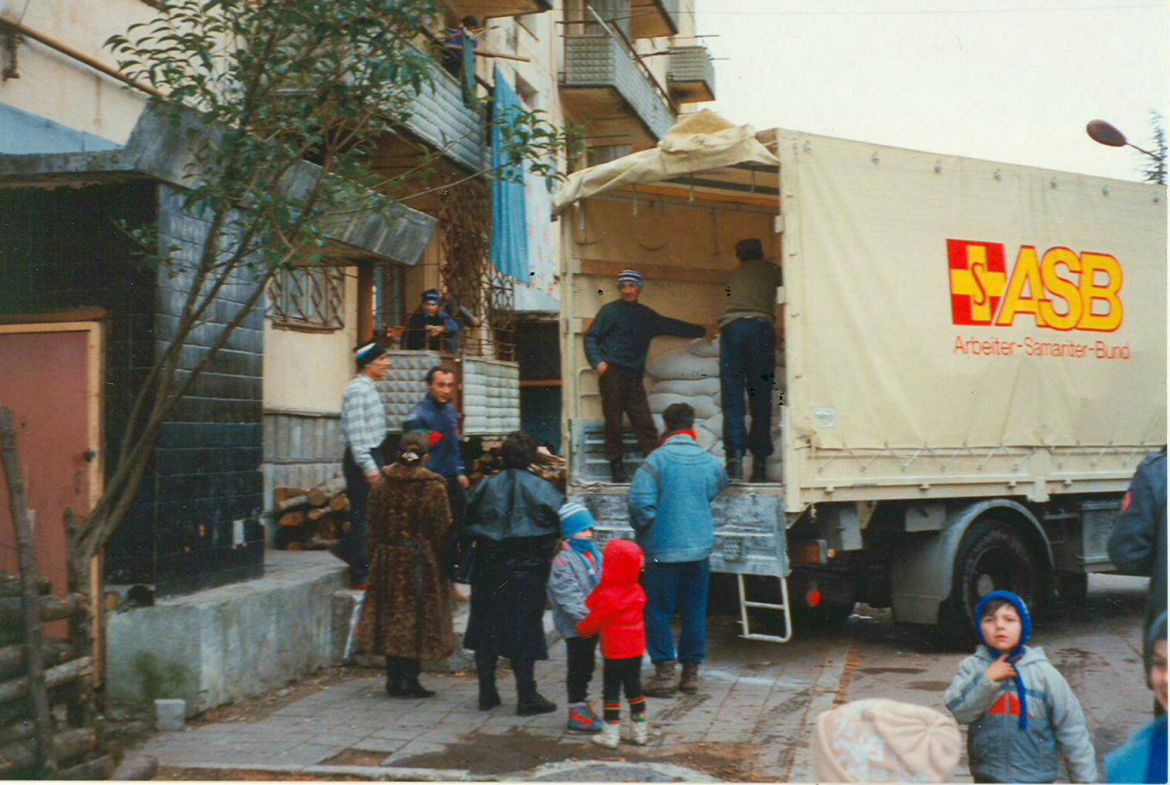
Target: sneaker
(611, 734)
(639, 732)
(581, 719)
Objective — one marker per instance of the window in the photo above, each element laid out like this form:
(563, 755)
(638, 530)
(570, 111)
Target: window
(308, 298)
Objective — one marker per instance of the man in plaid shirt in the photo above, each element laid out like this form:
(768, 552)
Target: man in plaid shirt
(363, 431)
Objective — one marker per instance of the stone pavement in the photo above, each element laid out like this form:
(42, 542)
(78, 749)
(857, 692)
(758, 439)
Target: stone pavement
(726, 731)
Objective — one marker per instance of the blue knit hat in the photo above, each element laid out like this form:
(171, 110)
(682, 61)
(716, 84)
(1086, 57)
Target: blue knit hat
(1015, 654)
(575, 518)
(631, 276)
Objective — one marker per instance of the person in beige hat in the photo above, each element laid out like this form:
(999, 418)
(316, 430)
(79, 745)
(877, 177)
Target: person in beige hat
(879, 740)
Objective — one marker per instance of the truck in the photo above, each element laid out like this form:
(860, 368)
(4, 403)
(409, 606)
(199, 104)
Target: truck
(972, 362)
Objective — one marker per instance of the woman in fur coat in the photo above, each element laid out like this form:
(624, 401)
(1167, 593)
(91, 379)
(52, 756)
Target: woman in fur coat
(407, 610)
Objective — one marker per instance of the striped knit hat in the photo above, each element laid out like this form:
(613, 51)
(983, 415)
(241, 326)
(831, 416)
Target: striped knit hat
(575, 518)
(630, 275)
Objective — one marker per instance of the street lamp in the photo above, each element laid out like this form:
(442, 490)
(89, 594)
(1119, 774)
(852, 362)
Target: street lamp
(1105, 133)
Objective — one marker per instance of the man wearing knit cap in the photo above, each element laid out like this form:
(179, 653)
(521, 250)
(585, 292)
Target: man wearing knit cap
(747, 362)
(431, 327)
(879, 740)
(363, 432)
(616, 345)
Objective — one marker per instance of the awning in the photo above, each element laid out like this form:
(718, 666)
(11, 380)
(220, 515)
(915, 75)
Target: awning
(697, 143)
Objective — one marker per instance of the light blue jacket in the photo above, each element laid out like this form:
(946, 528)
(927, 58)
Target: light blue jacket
(1131, 763)
(997, 748)
(670, 501)
(570, 583)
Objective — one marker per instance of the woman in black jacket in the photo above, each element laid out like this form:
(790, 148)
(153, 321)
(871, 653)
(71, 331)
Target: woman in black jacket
(513, 524)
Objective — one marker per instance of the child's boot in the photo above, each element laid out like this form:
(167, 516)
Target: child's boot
(582, 719)
(610, 735)
(639, 731)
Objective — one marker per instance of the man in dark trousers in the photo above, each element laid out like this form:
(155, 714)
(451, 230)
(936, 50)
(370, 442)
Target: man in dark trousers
(616, 346)
(431, 327)
(436, 414)
(363, 433)
(1137, 545)
(747, 359)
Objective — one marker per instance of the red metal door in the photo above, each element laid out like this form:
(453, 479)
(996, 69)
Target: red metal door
(50, 380)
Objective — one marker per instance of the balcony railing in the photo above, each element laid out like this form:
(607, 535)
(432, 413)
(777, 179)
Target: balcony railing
(440, 118)
(601, 62)
(690, 77)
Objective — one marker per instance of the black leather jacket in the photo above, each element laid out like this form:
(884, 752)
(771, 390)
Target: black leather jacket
(513, 504)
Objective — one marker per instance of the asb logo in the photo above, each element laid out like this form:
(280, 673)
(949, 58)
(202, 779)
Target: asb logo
(1059, 291)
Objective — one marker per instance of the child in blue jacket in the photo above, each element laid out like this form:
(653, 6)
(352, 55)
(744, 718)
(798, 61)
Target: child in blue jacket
(1022, 717)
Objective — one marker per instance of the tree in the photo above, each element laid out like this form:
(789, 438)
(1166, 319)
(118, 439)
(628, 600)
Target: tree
(1155, 170)
(284, 102)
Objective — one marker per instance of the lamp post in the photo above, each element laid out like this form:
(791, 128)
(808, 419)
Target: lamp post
(1105, 133)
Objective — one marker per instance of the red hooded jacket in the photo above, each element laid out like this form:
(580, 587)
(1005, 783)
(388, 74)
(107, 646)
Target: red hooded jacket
(617, 605)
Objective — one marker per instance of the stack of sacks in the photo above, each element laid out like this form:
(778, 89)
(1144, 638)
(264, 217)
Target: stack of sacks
(691, 375)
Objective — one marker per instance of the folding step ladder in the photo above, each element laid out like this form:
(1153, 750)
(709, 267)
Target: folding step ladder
(745, 603)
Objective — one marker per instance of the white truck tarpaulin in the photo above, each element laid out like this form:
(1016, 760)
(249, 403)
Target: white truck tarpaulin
(697, 143)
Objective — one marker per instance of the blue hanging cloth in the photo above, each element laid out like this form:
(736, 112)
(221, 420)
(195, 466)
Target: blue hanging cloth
(509, 227)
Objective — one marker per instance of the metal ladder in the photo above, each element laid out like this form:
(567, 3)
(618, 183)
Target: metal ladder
(745, 603)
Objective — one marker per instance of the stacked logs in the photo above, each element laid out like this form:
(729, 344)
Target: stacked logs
(550, 467)
(68, 678)
(311, 518)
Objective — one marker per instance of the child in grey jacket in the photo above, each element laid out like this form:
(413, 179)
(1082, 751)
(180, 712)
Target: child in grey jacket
(1022, 716)
(576, 571)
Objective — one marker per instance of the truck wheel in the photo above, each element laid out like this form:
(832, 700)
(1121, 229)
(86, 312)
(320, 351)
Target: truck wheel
(992, 556)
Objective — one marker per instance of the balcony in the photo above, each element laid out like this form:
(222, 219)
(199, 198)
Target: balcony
(653, 18)
(486, 9)
(604, 89)
(441, 120)
(690, 77)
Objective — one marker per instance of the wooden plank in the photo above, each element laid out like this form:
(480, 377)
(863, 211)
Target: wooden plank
(49, 608)
(657, 272)
(53, 677)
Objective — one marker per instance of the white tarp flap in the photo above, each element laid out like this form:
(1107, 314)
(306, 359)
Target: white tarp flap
(696, 143)
(945, 302)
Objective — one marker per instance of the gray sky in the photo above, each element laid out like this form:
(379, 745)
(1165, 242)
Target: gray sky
(1005, 80)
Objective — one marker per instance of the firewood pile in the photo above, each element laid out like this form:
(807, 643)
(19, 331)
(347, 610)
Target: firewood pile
(550, 467)
(68, 679)
(311, 519)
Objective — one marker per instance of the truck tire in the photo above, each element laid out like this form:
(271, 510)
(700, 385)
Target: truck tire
(993, 555)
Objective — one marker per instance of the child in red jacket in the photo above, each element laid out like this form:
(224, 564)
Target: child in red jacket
(616, 610)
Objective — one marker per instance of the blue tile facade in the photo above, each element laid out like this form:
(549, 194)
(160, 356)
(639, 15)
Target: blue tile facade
(195, 522)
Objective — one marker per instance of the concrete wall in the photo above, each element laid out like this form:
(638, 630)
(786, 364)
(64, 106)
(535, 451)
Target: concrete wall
(61, 89)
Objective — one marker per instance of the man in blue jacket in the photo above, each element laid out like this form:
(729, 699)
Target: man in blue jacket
(436, 413)
(670, 510)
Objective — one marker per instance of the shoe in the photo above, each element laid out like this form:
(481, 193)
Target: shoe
(412, 689)
(689, 682)
(662, 683)
(394, 678)
(759, 469)
(611, 734)
(395, 689)
(488, 698)
(581, 719)
(617, 471)
(639, 732)
(535, 704)
(734, 464)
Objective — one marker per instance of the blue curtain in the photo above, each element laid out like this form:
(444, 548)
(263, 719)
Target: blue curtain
(509, 227)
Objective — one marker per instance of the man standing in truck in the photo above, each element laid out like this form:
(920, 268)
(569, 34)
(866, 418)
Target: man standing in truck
(616, 346)
(747, 359)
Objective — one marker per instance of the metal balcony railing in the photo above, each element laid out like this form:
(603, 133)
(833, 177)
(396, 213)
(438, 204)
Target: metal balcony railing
(440, 118)
(602, 60)
(690, 75)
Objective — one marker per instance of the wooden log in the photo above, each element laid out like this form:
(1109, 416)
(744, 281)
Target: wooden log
(318, 513)
(51, 608)
(94, 769)
(70, 745)
(17, 711)
(10, 586)
(316, 543)
(339, 503)
(293, 518)
(18, 731)
(317, 497)
(284, 493)
(13, 662)
(54, 677)
(29, 609)
(292, 503)
(320, 496)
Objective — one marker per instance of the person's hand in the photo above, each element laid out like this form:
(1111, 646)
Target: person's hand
(374, 478)
(435, 329)
(464, 483)
(1001, 670)
(602, 367)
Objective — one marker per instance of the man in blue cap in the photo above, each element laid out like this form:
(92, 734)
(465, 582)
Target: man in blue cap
(616, 345)
(431, 327)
